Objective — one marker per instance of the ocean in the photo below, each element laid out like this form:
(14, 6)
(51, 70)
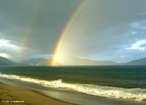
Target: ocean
(120, 82)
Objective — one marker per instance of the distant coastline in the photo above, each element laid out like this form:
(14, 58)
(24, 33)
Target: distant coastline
(75, 62)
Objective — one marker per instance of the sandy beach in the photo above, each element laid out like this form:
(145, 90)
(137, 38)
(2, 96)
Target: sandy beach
(10, 95)
(23, 93)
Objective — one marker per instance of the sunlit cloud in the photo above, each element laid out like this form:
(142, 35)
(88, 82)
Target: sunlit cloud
(6, 44)
(5, 55)
(9, 49)
(12, 51)
(139, 45)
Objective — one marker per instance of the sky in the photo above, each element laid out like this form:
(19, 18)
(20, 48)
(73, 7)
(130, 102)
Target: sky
(101, 30)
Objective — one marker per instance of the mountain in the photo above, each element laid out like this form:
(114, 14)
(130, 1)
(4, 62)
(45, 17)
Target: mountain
(137, 62)
(33, 61)
(83, 61)
(78, 61)
(5, 61)
(43, 63)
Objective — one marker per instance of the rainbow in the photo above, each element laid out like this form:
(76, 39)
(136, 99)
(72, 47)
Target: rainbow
(35, 18)
(69, 23)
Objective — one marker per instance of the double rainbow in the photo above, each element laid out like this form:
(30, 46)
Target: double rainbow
(67, 26)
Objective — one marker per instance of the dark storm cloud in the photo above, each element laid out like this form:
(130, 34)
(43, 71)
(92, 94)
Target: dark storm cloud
(46, 18)
(104, 29)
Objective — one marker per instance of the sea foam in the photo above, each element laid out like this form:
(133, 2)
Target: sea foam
(136, 94)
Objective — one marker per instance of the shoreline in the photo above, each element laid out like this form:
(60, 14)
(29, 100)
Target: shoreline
(67, 96)
(12, 95)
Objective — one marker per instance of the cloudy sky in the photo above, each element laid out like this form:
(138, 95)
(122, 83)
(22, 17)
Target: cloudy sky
(102, 30)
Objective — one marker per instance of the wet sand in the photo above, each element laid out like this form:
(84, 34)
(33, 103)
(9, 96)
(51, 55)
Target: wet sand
(11, 95)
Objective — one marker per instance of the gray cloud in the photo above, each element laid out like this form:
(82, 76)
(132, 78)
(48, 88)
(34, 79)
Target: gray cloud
(105, 28)
(102, 30)
(45, 18)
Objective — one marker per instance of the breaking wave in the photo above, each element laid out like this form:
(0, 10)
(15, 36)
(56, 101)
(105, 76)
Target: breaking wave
(136, 94)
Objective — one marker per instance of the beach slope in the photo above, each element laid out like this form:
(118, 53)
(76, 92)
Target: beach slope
(10, 95)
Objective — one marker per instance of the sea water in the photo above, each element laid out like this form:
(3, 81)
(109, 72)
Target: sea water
(124, 82)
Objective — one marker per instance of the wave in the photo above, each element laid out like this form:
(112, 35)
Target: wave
(136, 94)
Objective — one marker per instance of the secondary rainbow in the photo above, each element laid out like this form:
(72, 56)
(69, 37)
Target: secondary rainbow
(34, 19)
(66, 28)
